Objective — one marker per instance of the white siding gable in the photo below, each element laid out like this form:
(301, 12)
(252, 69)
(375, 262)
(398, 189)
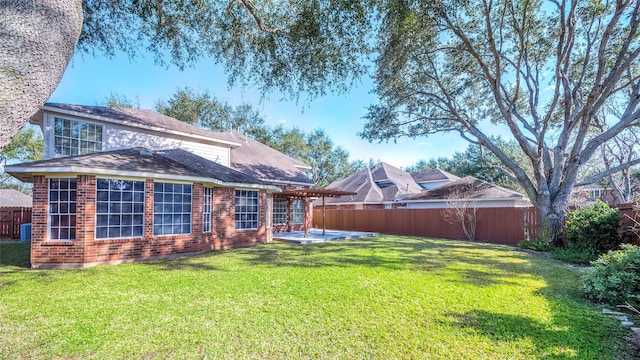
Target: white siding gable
(115, 136)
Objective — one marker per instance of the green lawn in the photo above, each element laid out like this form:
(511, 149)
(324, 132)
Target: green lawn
(388, 297)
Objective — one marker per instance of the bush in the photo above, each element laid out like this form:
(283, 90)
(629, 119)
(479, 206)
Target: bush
(574, 255)
(535, 244)
(614, 277)
(593, 228)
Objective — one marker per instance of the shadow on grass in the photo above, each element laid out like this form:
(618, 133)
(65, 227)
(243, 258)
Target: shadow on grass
(509, 327)
(394, 253)
(185, 262)
(14, 255)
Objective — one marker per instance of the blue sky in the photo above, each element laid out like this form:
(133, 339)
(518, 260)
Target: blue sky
(89, 80)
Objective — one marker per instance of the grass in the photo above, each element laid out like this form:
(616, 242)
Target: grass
(388, 297)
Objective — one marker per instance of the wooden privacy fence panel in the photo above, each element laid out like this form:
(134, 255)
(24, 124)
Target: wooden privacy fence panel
(10, 220)
(496, 225)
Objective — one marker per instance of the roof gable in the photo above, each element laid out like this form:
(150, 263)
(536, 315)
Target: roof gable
(141, 118)
(382, 182)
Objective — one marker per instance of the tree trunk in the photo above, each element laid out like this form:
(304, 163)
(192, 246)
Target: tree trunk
(37, 39)
(551, 216)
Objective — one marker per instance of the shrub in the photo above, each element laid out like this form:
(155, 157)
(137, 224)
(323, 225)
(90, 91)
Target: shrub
(574, 255)
(593, 228)
(614, 277)
(536, 244)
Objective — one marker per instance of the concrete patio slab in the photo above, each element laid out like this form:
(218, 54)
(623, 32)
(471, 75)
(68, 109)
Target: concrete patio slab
(315, 236)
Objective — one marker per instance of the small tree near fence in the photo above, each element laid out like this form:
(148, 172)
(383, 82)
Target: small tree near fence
(460, 210)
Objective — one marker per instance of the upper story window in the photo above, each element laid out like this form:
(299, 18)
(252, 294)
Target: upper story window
(596, 193)
(279, 211)
(72, 137)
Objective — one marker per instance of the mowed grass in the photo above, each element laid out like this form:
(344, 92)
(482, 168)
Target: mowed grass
(388, 297)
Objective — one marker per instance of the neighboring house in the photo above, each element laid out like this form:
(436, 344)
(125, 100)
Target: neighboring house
(14, 198)
(589, 194)
(376, 188)
(119, 185)
(431, 179)
(466, 192)
(386, 187)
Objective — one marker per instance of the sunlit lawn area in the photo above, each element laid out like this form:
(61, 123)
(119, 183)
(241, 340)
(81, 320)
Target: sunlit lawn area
(388, 297)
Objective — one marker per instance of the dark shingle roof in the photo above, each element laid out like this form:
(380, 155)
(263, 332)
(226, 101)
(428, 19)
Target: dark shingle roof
(14, 198)
(250, 157)
(433, 175)
(263, 162)
(138, 161)
(467, 188)
(382, 182)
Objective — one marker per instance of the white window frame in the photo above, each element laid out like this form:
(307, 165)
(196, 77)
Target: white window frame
(57, 204)
(78, 134)
(166, 210)
(596, 193)
(207, 200)
(119, 209)
(297, 211)
(280, 211)
(247, 209)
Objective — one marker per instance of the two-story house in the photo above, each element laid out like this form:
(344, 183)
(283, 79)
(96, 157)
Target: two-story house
(120, 185)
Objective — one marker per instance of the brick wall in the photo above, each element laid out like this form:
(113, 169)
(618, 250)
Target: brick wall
(87, 251)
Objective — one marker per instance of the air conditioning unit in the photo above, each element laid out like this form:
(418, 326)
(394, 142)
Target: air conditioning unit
(25, 232)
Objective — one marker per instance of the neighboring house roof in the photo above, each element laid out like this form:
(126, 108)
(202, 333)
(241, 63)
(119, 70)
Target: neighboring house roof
(134, 117)
(14, 198)
(382, 182)
(433, 175)
(466, 188)
(175, 164)
(261, 161)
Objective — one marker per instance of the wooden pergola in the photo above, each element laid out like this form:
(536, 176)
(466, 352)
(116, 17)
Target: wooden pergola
(313, 193)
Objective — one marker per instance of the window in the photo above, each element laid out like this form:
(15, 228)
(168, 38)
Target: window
(596, 193)
(279, 211)
(246, 209)
(297, 211)
(73, 137)
(206, 209)
(62, 209)
(171, 208)
(119, 208)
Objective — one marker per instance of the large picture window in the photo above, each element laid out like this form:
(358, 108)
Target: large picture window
(246, 209)
(119, 208)
(207, 197)
(62, 209)
(279, 211)
(72, 137)
(171, 208)
(297, 211)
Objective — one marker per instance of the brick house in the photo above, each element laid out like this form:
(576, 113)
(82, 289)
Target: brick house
(120, 185)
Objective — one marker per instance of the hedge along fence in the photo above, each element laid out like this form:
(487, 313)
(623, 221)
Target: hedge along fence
(497, 225)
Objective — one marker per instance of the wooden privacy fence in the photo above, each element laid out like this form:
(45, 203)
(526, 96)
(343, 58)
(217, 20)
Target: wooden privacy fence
(496, 225)
(10, 220)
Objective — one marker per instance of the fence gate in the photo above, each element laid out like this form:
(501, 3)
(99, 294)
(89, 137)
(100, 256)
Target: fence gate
(10, 220)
